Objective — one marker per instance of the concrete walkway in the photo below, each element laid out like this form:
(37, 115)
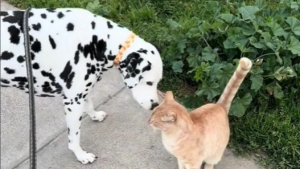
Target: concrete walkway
(122, 141)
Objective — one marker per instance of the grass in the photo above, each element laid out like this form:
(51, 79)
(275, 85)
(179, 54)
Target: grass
(272, 132)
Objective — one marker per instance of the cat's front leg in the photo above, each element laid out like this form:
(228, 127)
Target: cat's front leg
(180, 164)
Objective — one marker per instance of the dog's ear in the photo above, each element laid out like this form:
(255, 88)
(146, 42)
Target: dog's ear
(132, 71)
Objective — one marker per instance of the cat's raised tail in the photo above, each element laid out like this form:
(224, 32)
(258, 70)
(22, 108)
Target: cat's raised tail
(234, 83)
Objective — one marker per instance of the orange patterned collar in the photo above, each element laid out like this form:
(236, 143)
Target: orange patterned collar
(124, 47)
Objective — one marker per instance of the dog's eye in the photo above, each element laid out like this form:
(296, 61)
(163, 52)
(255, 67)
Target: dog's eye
(149, 83)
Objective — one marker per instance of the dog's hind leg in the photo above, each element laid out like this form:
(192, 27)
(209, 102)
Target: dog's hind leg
(89, 109)
(74, 112)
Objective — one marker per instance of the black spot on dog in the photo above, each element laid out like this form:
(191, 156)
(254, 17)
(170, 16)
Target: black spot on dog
(52, 21)
(37, 26)
(36, 46)
(11, 19)
(68, 127)
(142, 51)
(60, 15)
(80, 118)
(67, 76)
(14, 34)
(30, 14)
(147, 68)
(140, 78)
(76, 59)
(108, 36)
(44, 16)
(3, 13)
(9, 71)
(76, 133)
(32, 56)
(20, 79)
(53, 44)
(45, 95)
(150, 83)
(152, 52)
(46, 87)
(20, 59)
(109, 25)
(30, 38)
(4, 81)
(120, 46)
(93, 25)
(70, 27)
(69, 110)
(89, 84)
(6, 55)
(68, 10)
(57, 86)
(35, 66)
(51, 10)
(120, 26)
(84, 96)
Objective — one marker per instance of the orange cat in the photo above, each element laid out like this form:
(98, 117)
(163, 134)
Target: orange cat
(202, 135)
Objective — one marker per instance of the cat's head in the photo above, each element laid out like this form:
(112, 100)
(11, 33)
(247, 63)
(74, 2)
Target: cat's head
(168, 115)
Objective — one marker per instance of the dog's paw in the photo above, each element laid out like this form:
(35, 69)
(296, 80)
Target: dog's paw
(99, 116)
(85, 157)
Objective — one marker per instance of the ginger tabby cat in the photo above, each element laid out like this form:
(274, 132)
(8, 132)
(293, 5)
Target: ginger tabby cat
(203, 134)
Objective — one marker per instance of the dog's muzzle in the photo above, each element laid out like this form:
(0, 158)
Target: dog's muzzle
(154, 105)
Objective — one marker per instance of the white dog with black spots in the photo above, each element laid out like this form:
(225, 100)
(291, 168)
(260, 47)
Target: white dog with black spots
(71, 48)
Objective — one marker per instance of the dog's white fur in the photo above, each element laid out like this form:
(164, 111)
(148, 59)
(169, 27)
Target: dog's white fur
(69, 28)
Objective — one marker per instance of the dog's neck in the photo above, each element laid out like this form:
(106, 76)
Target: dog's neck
(106, 47)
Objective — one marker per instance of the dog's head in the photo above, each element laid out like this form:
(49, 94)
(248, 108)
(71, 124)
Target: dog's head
(142, 70)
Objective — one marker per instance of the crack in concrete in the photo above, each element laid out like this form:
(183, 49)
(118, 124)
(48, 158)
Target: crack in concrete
(65, 130)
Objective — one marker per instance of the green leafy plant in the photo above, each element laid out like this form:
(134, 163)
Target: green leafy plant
(209, 50)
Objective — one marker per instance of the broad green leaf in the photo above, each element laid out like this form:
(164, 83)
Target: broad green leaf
(248, 29)
(214, 70)
(278, 93)
(201, 71)
(234, 32)
(208, 54)
(225, 74)
(181, 46)
(257, 81)
(294, 5)
(248, 12)
(239, 105)
(173, 24)
(278, 59)
(229, 43)
(209, 89)
(193, 60)
(276, 28)
(260, 3)
(192, 102)
(256, 43)
(294, 24)
(177, 66)
(294, 46)
(228, 18)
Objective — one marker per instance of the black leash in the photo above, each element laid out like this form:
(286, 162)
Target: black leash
(32, 135)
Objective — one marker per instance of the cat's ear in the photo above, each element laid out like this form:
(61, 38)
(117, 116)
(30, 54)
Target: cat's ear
(169, 96)
(169, 117)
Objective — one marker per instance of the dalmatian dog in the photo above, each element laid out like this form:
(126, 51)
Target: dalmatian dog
(70, 49)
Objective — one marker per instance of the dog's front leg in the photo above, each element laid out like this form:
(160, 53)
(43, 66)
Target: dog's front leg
(74, 112)
(89, 109)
